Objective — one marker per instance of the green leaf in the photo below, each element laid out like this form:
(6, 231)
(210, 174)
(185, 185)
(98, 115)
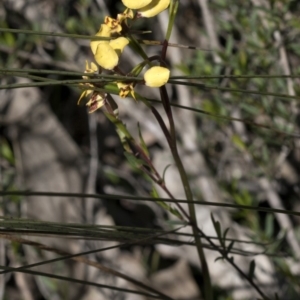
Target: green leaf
(6, 152)
(243, 59)
(9, 39)
(225, 233)
(134, 162)
(172, 14)
(142, 141)
(269, 225)
(217, 227)
(113, 105)
(237, 141)
(219, 258)
(229, 247)
(71, 24)
(164, 205)
(165, 170)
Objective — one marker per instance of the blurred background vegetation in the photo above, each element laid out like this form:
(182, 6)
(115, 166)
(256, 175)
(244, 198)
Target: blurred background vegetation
(247, 132)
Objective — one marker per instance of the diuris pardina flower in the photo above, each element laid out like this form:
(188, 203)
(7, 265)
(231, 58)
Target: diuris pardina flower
(147, 8)
(156, 76)
(107, 52)
(97, 99)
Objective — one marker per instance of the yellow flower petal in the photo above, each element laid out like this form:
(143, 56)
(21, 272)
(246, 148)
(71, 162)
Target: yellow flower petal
(119, 44)
(104, 31)
(106, 56)
(154, 8)
(136, 4)
(157, 76)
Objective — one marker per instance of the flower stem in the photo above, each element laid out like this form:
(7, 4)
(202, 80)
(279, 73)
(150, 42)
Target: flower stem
(188, 192)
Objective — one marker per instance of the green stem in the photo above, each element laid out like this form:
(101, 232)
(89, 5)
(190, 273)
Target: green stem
(208, 292)
(172, 14)
(215, 87)
(189, 195)
(139, 198)
(56, 34)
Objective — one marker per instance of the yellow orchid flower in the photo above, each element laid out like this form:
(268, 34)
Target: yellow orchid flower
(125, 89)
(156, 76)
